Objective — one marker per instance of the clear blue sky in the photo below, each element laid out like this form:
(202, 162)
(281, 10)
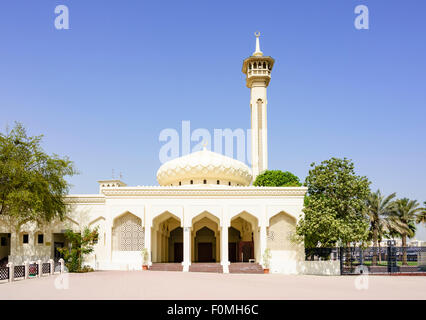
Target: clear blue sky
(102, 91)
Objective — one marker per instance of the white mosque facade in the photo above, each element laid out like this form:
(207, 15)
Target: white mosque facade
(204, 211)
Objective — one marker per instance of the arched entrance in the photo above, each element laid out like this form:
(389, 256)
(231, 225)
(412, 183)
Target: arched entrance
(176, 245)
(205, 245)
(205, 238)
(167, 238)
(242, 237)
(234, 238)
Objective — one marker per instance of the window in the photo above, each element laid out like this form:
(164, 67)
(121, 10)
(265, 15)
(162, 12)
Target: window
(25, 238)
(180, 183)
(218, 182)
(205, 181)
(3, 241)
(40, 238)
(192, 181)
(229, 183)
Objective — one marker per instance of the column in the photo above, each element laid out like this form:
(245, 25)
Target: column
(147, 243)
(163, 239)
(108, 240)
(11, 267)
(224, 247)
(186, 248)
(27, 269)
(218, 246)
(39, 268)
(154, 245)
(256, 244)
(263, 242)
(52, 266)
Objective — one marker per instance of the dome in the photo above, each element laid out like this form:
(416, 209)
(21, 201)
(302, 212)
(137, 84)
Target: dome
(204, 167)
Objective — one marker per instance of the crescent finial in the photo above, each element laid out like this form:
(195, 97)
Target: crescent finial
(257, 34)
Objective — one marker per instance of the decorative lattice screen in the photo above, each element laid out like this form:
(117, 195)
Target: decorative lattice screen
(128, 234)
(280, 230)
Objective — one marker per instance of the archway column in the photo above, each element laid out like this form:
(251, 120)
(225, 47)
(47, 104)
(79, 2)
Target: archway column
(147, 242)
(224, 247)
(263, 242)
(186, 248)
(217, 257)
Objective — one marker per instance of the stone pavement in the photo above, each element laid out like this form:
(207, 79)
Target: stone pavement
(184, 285)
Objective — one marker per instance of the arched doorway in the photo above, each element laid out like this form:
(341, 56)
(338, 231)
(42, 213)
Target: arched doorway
(205, 245)
(234, 238)
(244, 226)
(205, 238)
(176, 245)
(167, 239)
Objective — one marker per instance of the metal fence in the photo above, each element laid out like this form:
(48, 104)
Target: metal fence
(19, 272)
(376, 260)
(4, 273)
(29, 270)
(45, 268)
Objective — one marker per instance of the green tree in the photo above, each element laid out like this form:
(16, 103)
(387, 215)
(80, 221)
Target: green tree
(378, 208)
(335, 207)
(403, 220)
(32, 183)
(80, 244)
(421, 217)
(276, 178)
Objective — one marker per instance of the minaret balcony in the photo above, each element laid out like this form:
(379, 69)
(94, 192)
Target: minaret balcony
(259, 72)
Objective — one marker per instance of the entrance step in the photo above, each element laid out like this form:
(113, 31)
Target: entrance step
(166, 267)
(245, 267)
(205, 267)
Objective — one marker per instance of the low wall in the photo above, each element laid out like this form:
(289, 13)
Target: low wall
(284, 261)
(320, 268)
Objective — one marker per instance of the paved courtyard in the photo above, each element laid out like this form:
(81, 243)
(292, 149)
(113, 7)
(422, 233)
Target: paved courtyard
(179, 285)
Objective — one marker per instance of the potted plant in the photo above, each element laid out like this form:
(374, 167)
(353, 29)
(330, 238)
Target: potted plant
(266, 260)
(144, 259)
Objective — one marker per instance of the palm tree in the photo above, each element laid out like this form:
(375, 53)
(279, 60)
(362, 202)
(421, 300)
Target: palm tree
(402, 220)
(421, 217)
(378, 208)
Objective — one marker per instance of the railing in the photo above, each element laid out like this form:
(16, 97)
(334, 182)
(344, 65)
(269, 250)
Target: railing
(4, 273)
(376, 260)
(19, 272)
(45, 268)
(31, 270)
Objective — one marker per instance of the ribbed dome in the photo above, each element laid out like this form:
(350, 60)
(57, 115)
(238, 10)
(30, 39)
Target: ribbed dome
(204, 167)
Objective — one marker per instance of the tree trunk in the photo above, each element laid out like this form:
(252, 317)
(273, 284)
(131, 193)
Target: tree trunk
(404, 250)
(380, 253)
(374, 262)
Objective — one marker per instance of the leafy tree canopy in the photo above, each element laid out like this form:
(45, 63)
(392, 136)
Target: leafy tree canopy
(276, 178)
(32, 183)
(335, 207)
(421, 217)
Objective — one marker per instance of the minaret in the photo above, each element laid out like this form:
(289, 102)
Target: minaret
(258, 74)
